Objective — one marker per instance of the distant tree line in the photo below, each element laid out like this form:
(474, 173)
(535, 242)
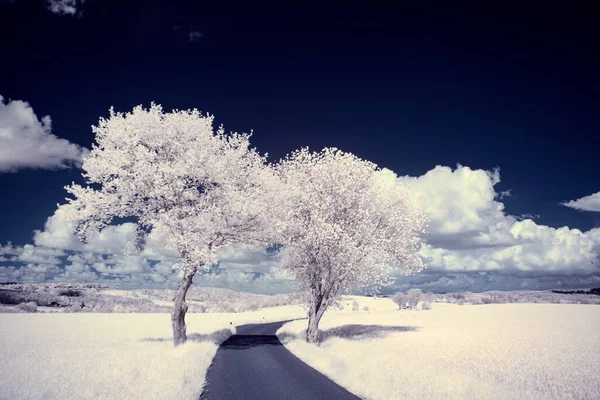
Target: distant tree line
(410, 299)
(594, 291)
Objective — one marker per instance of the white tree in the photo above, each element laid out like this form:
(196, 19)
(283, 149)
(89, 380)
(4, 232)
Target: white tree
(413, 296)
(344, 225)
(194, 189)
(400, 299)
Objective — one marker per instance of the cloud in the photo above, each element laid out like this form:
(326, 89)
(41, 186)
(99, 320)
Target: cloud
(472, 244)
(59, 233)
(9, 249)
(64, 7)
(247, 259)
(195, 36)
(444, 282)
(458, 201)
(537, 250)
(587, 203)
(109, 256)
(39, 255)
(26, 142)
(470, 232)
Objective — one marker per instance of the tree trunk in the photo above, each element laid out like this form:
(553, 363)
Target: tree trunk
(314, 316)
(180, 307)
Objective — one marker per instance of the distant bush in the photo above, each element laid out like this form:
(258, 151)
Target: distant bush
(413, 297)
(365, 308)
(400, 299)
(70, 293)
(197, 308)
(74, 308)
(27, 307)
(425, 305)
(355, 306)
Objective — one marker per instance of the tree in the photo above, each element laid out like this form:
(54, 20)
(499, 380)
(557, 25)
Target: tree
(413, 296)
(344, 225)
(194, 189)
(400, 299)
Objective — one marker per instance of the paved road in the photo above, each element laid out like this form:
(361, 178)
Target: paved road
(254, 365)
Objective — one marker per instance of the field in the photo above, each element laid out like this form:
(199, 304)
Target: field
(497, 351)
(112, 356)
(490, 351)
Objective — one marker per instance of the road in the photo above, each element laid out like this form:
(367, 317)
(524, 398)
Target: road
(254, 365)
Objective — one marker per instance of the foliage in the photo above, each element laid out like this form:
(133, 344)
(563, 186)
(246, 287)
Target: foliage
(343, 224)
(408, 300)
(27, 307)
(195, 189)
(400, 299)
(413, 296)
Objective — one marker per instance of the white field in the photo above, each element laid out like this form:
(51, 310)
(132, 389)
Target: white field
(497, 351)
(113, 356)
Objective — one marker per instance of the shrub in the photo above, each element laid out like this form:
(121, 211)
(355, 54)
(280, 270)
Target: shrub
(27, 307)
(425, 305)
(365, 308)
(400, 299)
(355, 306)
(413, 297)
(70, 293)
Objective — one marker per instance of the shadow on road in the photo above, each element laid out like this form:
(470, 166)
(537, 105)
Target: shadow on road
(240, 342)
(216, 337)
(352, 332)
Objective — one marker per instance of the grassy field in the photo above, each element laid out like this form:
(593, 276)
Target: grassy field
(498, 351)
(113, 356)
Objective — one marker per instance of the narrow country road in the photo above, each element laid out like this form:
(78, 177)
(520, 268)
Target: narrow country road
(254, 365)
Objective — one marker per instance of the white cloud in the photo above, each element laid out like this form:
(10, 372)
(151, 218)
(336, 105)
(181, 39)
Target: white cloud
(59, 233)
(472, 245)
(63, 7)
(470, 232)
(587, 203)
(39, 255)
(537, 249)
(26, 142)
(459, 201)
(247, 259)
(9, 249)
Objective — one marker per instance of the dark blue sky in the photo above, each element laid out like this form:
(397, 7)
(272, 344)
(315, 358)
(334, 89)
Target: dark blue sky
(514, 87)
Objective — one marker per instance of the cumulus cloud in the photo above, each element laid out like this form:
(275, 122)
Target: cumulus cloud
(459, 201)
(472, 244)
(64, 7)
(27, 142)
(59, 233)
(110, 255)
(470, 232)
(587, 203)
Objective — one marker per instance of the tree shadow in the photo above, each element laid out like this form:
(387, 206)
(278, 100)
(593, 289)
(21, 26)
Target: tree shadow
(216, 337)
(363, 332)
(241, 342)
(353, 332)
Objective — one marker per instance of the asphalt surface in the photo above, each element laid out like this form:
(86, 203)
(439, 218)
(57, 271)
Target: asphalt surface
(254, 365)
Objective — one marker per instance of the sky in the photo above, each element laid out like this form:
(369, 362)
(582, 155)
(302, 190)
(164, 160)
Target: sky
(491, 114)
